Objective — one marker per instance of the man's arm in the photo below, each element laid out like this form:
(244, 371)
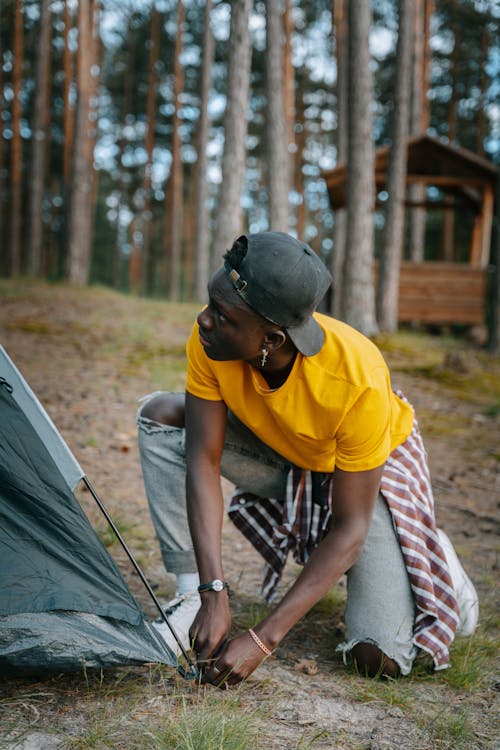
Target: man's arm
(354, 495)
(205, 432)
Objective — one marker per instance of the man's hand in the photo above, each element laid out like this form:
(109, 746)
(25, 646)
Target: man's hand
(236, 661)
(211, 626)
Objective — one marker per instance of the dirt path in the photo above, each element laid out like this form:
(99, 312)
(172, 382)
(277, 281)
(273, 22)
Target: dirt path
(89, 355)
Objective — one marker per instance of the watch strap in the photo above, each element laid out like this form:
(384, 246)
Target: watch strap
(215, 585)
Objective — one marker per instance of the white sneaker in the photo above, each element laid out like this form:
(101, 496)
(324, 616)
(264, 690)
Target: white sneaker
(468, 603)
(180, 612)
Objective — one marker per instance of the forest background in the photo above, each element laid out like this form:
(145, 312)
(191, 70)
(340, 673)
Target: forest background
(140, 138)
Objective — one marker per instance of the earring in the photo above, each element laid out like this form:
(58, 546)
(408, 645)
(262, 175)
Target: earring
(265, 353)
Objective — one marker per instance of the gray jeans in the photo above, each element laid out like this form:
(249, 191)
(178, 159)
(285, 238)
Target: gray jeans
(380, 607)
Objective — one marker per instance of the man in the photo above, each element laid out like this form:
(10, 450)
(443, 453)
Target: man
(297, 410)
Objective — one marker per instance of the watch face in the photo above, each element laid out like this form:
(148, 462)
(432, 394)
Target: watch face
(217, 585)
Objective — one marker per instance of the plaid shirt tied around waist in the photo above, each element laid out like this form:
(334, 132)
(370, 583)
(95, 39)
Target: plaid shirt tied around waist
(298, 523)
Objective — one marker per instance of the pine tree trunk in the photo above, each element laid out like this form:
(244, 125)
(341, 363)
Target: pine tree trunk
(300, 142)
(494, 332)
(3, 191)
(135, 265)
(289, 91)
(68, 134)
(358, 303)
(417, 193)
(392, 244)
(123, 190)
(229, 213)
(448, 234)
(276, 126)
(339, 12)
(202, 245)
(69, 110)
(40, 142)
(483, 85)
(81, 210)
(146, 213)
(173, 204)
(429, 7)
(16, 153)
(188, 230)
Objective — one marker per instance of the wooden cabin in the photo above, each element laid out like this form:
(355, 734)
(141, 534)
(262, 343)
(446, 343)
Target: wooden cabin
(440, 291)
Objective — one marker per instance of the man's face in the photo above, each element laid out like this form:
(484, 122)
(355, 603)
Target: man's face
(229, 329)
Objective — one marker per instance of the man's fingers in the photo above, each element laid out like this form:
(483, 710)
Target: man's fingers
(205, 652)
(215, 676)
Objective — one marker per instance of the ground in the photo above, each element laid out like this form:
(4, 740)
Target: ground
(89, 354)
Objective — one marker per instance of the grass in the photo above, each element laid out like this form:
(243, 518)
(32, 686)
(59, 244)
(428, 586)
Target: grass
(450, 729)
(462, 369)
(207, 727)
(166, 714)
(107, 535)
(390, 692)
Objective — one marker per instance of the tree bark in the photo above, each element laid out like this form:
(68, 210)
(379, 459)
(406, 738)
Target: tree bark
(339, 13)
(300, 142)
(202, 244)
(69, 86)
(3, 190)
(229, 212)
(123, 189)
(416, 193)
(494, 332)
(69, 110)
(276, 125)
(135, 265)
(392, 245)
(483, 85)
(188, 230)
(358, 303)
(146, 212)
(40, 142)
(173, 203)
(289, 91)
(81, 209)
(448, 233)
(16, 154)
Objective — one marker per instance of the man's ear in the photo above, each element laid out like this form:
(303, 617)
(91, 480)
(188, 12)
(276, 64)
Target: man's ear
(275, 339)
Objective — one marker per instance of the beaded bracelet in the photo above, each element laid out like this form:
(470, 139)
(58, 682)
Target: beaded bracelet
(259, 643)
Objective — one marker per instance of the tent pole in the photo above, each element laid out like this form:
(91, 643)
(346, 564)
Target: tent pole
(194, 669)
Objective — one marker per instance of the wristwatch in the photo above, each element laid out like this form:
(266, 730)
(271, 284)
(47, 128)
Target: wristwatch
(215, 585)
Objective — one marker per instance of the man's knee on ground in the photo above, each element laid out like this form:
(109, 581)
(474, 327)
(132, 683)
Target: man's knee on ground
(370, 661)
(166, 408)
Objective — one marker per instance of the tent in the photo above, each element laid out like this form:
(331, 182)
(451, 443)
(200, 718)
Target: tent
(64, 604)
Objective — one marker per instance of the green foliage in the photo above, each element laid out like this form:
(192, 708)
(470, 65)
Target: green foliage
(466, 31)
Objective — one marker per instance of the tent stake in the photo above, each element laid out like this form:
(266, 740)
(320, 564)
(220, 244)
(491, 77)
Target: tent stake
(194, 669)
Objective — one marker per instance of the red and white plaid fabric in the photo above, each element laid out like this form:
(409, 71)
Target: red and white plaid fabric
(298, 524)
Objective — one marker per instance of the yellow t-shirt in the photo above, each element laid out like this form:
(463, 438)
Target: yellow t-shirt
(335, 408)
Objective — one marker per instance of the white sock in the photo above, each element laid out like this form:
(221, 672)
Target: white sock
(187, 582)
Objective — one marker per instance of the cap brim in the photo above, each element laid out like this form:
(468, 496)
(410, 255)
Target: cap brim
(308, 338)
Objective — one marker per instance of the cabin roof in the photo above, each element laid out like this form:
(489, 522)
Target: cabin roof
(430, 161)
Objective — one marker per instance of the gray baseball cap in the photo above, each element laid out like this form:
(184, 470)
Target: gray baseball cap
(283, 280)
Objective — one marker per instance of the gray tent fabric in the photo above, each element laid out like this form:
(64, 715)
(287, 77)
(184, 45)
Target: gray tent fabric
(63, 601)
(49, 435)
(71, 641)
